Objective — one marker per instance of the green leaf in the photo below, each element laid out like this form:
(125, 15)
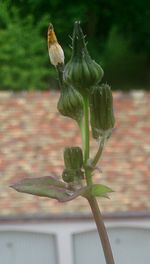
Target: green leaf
(100, 190)
(47, 187)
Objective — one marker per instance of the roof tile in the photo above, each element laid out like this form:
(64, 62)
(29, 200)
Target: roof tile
(32, 138)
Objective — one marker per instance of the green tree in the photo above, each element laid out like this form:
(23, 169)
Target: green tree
(23, 57)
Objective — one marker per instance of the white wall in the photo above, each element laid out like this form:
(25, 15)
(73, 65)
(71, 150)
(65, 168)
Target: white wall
(73, 242)
(17, 247)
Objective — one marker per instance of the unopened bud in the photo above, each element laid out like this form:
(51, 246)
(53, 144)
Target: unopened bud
(73, 158)
(101, 108)
(70, 103)
(72, 175)
(56, 53)
(81, 71)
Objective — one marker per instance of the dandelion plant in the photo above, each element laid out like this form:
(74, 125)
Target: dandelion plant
(88, 102)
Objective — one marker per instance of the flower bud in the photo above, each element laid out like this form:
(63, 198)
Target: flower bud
(72, 175)
(70, 103)
(81, 71)
(56, 53)
(73, 158)
(101, 108)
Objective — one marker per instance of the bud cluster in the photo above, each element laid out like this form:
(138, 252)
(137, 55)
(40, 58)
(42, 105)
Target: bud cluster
(81, 95)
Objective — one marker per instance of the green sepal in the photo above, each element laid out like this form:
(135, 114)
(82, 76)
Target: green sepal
(100, 190)
(48, 187)
(70, 103)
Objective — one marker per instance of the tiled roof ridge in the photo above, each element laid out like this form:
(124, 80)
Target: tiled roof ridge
(32, 138)
(8, 94)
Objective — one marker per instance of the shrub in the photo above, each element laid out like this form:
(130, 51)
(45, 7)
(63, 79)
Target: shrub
(23, 52)
(125, 67)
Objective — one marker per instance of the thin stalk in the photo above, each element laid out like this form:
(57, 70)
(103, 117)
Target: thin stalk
(99, 153)
(82, 131)
(101, 230)
(86, 130)
(86, 140)
(60, 69)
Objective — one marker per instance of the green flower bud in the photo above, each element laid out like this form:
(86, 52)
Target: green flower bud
(73, 158)
(70, 103)
(101, 108)
(68, 175)
(81, 71)
(71, 175)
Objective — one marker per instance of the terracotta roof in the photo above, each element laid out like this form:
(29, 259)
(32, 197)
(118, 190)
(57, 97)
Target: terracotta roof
(32, 138)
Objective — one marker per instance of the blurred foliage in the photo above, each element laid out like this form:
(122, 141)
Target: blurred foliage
(133, 20)
(118, 34)
(123, 67)
(23, 61)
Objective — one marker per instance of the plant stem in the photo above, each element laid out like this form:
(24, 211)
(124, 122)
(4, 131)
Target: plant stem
(60, 68)
(101, 230)
(92, 201)
(99, 153)
(86, 129)
(82, 131)
(86, 140)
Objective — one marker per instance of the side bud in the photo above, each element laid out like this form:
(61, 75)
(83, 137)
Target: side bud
(70, 103)
(72, 175)
(73, 159)
(101, 108)
(81, 71)
(56, 53)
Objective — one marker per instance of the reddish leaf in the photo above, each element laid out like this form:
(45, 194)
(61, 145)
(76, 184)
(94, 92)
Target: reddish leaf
(48, 187)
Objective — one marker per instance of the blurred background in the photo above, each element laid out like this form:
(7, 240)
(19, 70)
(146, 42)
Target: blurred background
(118, 38)
(33, 134)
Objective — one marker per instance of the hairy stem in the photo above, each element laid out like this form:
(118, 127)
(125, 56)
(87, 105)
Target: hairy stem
(101, 230)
